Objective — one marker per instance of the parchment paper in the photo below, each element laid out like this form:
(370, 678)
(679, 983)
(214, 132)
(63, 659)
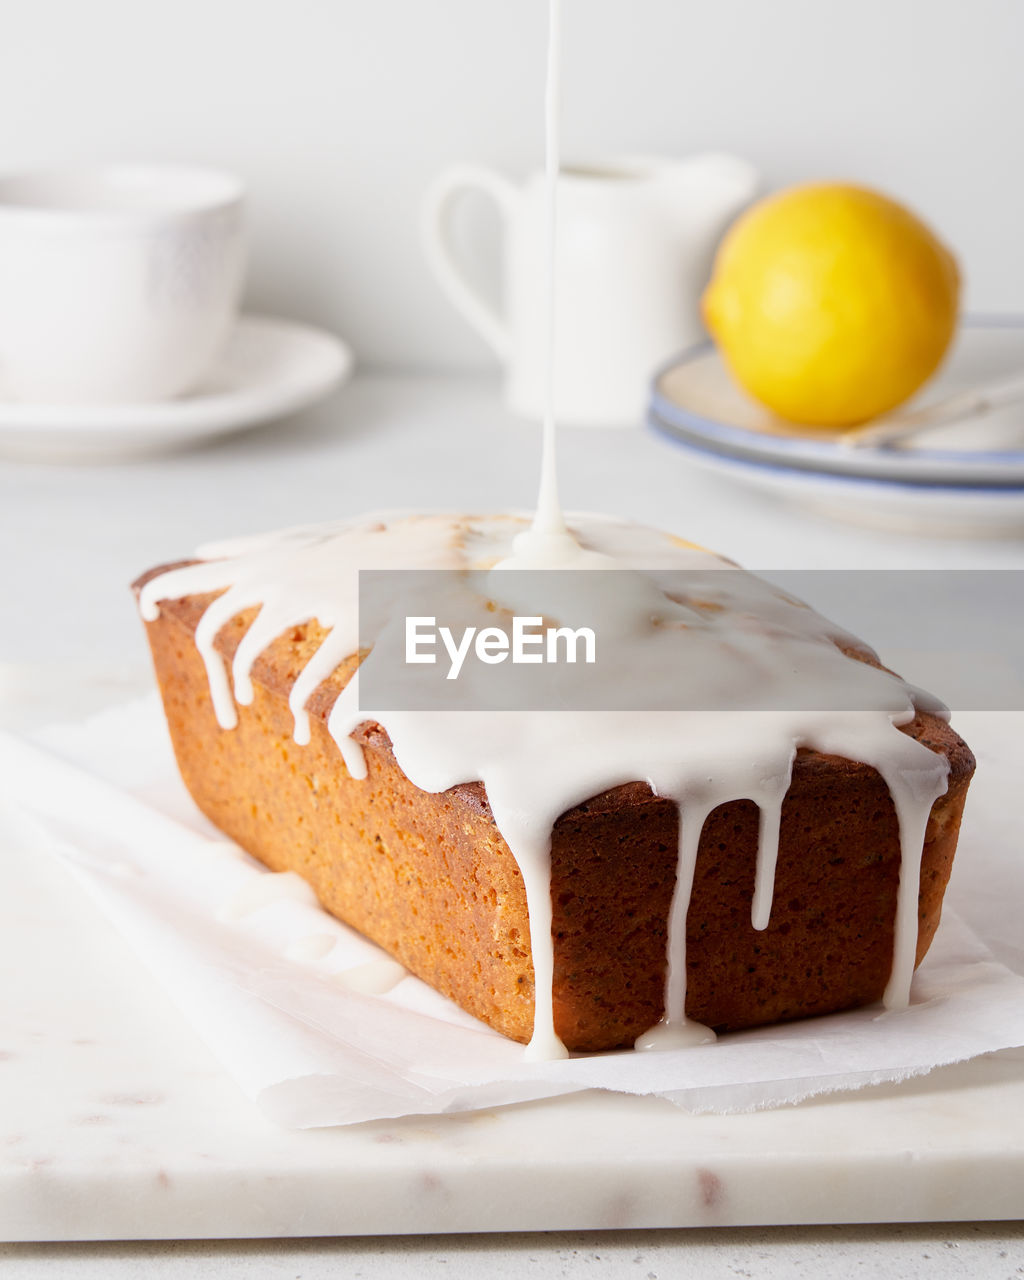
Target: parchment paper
(221, 934)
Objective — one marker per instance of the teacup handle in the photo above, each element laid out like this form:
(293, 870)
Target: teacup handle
(438, 205)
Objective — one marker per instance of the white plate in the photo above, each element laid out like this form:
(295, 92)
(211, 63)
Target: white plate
(695, 399)
(965, 478)
(268, 369)
(928, 509)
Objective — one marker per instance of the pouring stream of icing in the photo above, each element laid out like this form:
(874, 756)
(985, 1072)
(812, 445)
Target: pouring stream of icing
(548, 543)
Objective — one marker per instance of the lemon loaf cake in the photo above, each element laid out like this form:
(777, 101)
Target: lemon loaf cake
(586, 879)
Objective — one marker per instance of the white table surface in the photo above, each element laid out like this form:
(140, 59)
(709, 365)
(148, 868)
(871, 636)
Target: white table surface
(77, 535)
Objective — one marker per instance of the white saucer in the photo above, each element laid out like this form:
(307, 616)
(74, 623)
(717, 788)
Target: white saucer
(966, 478)
(269, 368)
(930, 510)
(696, 399)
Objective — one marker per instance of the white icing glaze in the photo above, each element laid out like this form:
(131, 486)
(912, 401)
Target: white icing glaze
(763, 664)
(373, 978)
(273, 886)
(310, 947)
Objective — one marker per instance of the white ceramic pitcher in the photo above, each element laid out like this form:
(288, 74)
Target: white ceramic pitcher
(634, 247)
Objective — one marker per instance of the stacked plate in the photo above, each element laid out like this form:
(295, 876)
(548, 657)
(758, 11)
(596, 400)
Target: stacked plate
(965, 477)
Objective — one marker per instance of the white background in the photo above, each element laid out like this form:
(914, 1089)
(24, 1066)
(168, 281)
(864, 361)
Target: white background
(338, 112)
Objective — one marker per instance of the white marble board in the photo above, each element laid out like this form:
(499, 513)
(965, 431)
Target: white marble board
(116, 1122)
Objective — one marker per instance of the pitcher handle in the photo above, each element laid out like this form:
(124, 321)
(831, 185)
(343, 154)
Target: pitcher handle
(436, 225)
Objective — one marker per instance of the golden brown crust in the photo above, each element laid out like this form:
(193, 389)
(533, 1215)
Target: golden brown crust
(430, 878)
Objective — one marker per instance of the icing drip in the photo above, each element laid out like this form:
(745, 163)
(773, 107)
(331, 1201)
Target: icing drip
(762, 664)
(374, 978)
(676, 1030)
(310, 948)
(265, 890)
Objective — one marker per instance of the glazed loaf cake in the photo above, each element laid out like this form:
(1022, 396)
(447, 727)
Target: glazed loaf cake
(429, 876)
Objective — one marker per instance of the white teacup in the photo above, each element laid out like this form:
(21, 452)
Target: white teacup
(117, 284)
(635, 241)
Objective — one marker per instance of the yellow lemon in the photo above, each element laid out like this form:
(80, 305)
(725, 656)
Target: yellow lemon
(831, 304)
